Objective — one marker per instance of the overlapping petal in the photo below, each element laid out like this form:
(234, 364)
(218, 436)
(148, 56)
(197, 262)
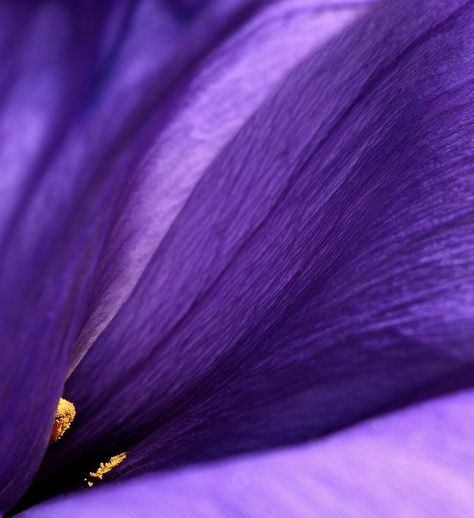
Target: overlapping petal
(418, 462)
(206, 113)
(225, 90)
(320, 271)
(73, 117)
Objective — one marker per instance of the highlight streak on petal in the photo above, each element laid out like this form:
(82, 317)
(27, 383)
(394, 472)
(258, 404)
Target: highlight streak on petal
(221, 96)
(65, 414)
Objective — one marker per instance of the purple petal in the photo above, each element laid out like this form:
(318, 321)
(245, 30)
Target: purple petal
(224, 92)
(321, 270)
(48, 46)
(64, 157)
(414, 463)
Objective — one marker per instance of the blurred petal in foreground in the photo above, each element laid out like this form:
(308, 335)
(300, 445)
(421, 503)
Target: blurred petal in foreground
(418, 462)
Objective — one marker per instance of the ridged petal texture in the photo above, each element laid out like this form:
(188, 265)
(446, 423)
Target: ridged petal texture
(321, 270)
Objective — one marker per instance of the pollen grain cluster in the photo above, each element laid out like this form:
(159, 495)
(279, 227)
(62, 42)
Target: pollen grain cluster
(65, 414)
(104, 468)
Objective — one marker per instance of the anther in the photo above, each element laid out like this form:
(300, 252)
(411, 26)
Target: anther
(104, 468)
(65, 414)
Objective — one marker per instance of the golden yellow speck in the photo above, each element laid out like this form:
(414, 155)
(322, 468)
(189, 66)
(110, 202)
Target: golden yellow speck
(65, 414)
(104, 468)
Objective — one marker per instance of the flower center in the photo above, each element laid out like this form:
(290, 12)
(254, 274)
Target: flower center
(65, 414)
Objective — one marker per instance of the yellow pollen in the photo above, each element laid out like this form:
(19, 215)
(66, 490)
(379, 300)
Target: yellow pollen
(65, 414)
(104, 468)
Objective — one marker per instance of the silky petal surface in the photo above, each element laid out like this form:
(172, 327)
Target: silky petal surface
(418, 462)
(65, 153)
(321, 270)
(224, 92)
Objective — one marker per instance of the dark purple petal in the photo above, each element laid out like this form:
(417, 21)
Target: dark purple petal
(321, 270)
(414, 463)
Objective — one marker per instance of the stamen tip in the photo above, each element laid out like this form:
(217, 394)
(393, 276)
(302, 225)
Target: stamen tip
(104, 468)
(65, 414)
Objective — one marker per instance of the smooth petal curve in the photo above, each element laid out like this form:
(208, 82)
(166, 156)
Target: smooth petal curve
(321, 270)
(418, 462)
